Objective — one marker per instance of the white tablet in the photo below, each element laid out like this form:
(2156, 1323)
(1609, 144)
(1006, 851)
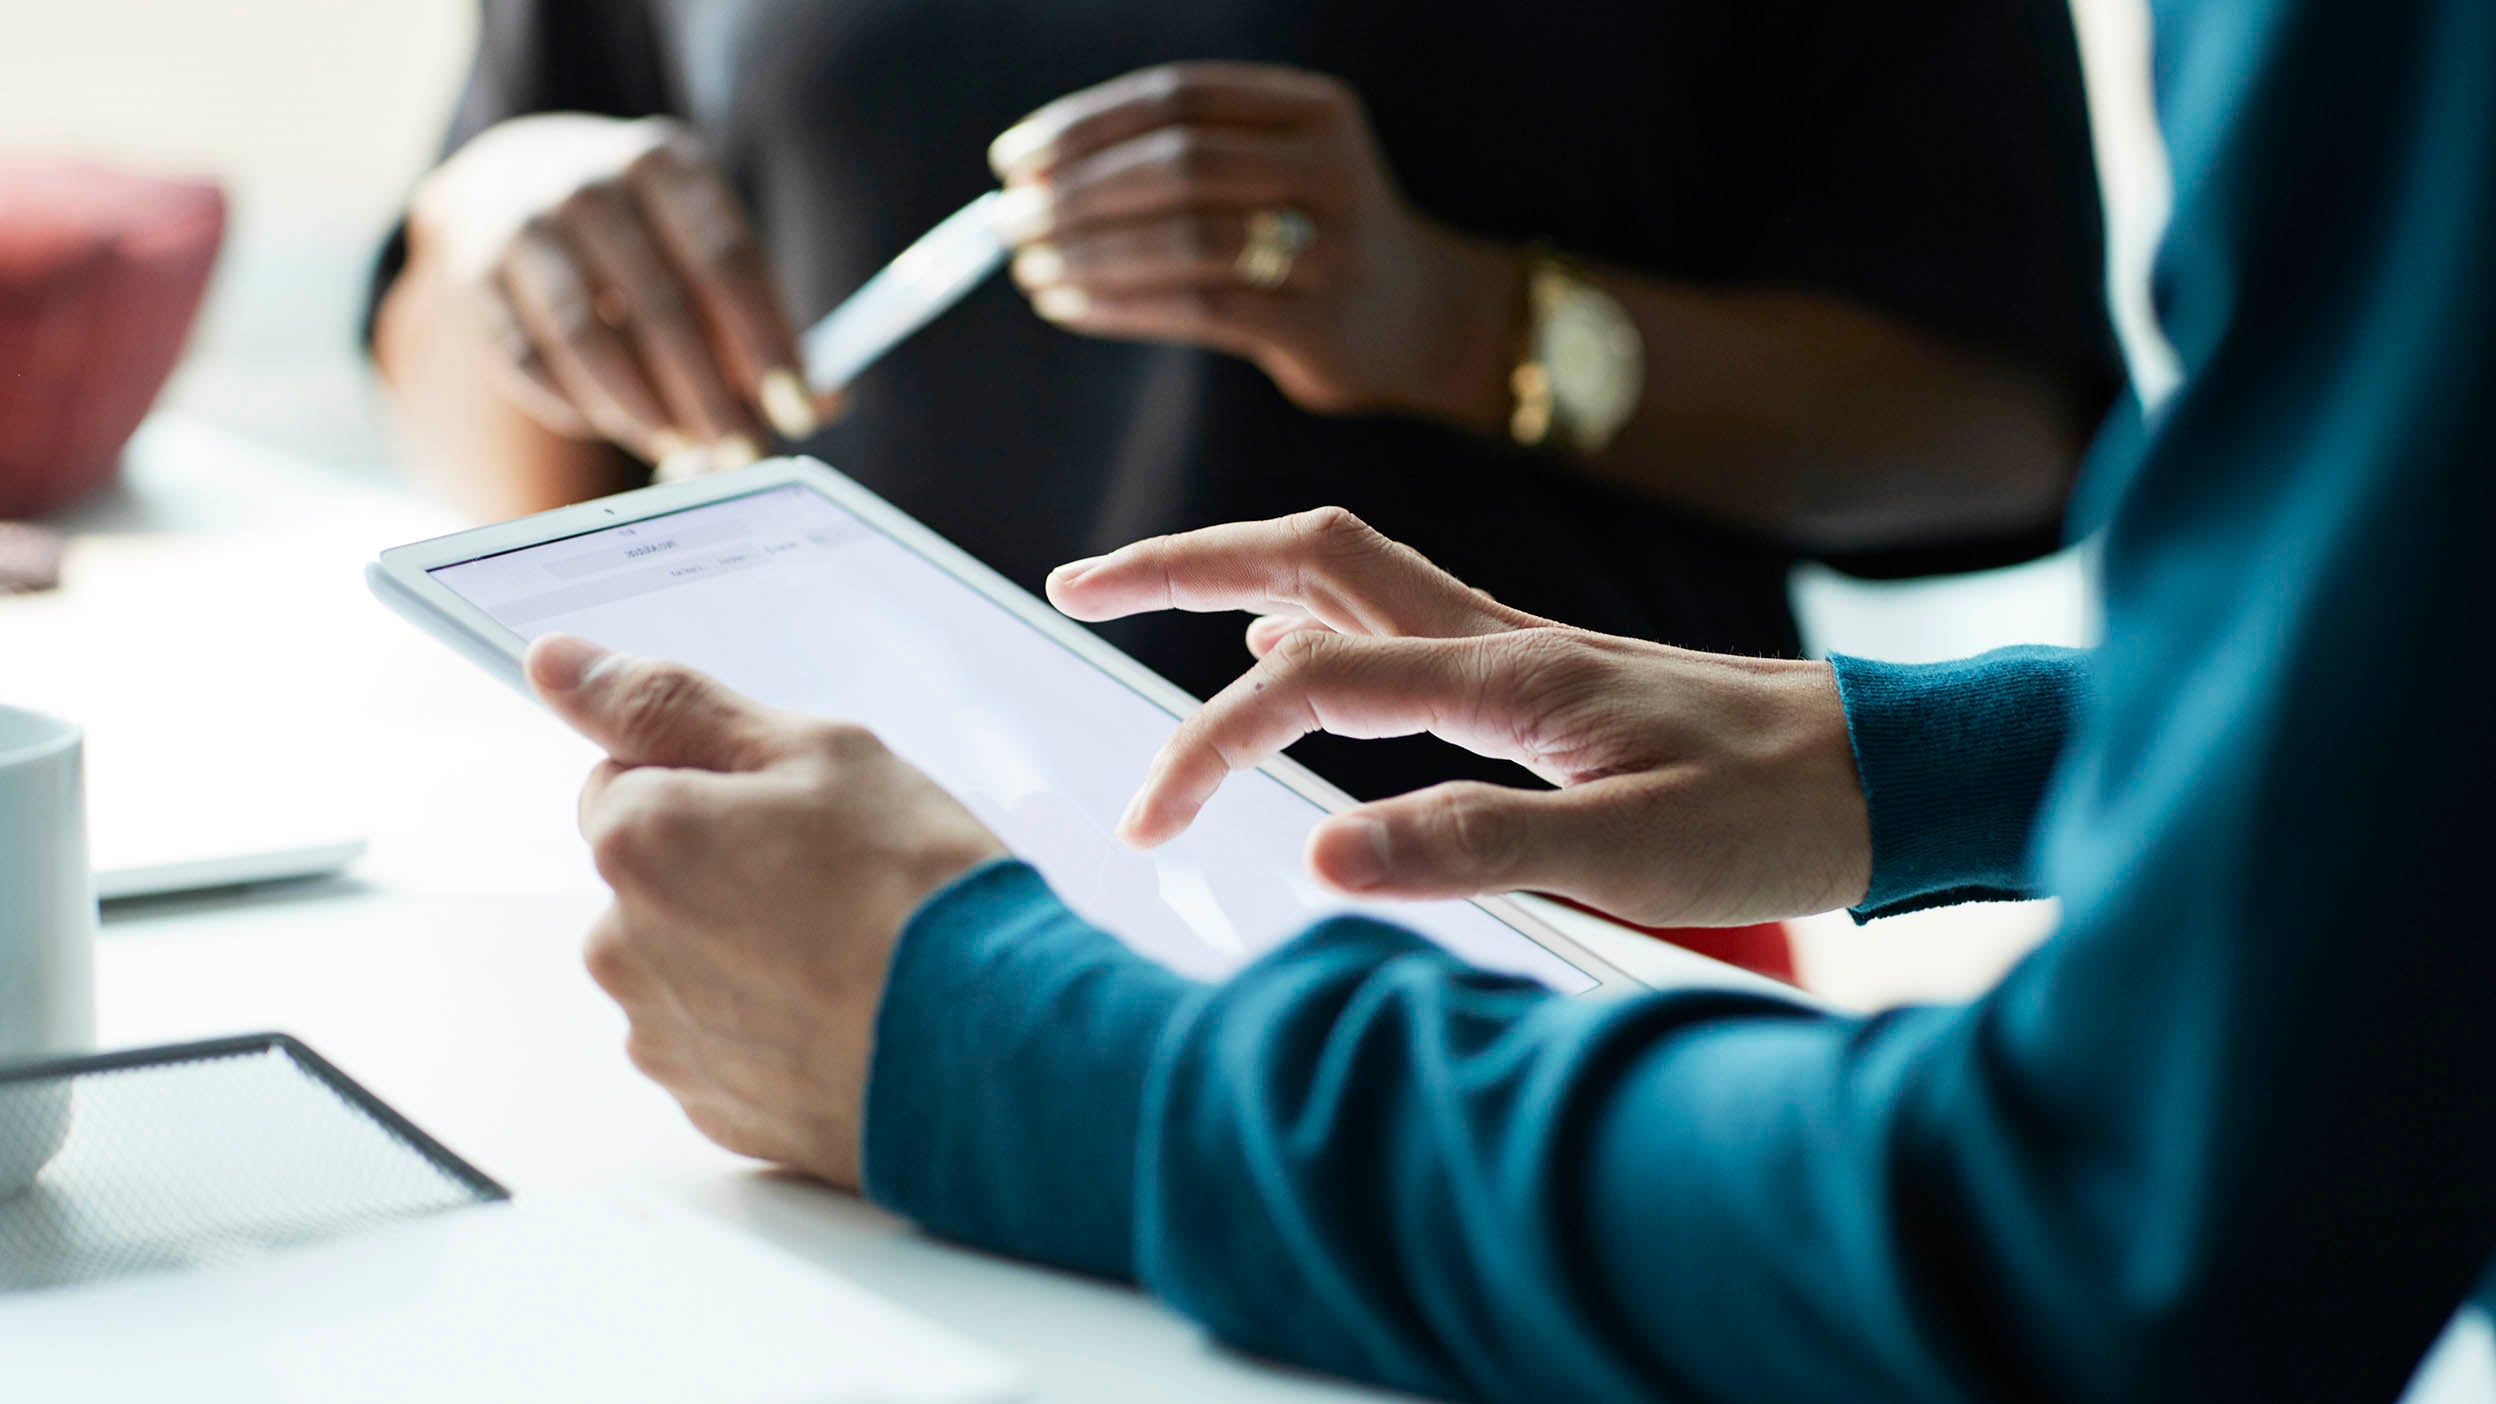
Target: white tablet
(797, 586)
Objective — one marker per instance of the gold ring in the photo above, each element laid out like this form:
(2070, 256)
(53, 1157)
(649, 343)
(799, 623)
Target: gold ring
(1276, 239)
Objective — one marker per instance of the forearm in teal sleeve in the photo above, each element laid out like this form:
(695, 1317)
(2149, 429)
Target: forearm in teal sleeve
(2146, 1167)
(1955, 758)
(1364, 1156)
(1010, 1055)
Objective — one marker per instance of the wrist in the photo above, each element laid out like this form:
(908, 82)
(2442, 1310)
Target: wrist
(1472, 321)
(1822, 777)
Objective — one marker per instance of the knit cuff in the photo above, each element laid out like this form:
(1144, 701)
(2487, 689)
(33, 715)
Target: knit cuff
(1955, 758)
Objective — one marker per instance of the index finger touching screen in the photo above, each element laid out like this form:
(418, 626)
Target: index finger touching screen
(788, 596)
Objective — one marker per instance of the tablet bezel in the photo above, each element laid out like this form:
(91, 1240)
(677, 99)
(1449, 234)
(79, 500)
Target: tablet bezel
(401, 578)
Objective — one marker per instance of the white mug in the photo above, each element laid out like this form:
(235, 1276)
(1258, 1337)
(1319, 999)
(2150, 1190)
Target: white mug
(47, 933)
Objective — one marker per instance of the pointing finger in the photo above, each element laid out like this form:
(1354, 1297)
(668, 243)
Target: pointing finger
(1315, 680)
(1327, 565)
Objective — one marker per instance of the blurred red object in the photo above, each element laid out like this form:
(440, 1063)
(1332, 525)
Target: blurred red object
(101, 274)
(1766, 949)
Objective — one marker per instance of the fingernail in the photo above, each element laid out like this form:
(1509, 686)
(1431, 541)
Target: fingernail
(1025, 143)
(787, 405)
(1039, 266)
(562, 662)
(690, 460)
(1360, 861)
(1133, 816)
(734, 451)
(1061, 304)
(667, 443)
(1074, 570)
(1024, 213)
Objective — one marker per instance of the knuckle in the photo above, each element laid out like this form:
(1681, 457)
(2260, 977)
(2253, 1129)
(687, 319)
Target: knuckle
(644, 824)
(1184, 153)
(726, 247)
(1534, 673)
(1540, 651)
(608, 958)
(1163, 89)
(722, 1130)
(1336, 98)
(1486, 836)
(1558, 657)
(539, 228)
(652, 702)
(1321, 539)
(591, 200)
(1200, 305)
(671, 141)
(656, 162)
(664, 810)
(649, 1054)
(1086, 258)
(1329, 521)
(1334, 532)
(846, 743)
(1073, 205)
(622, 851)
(1305, 651)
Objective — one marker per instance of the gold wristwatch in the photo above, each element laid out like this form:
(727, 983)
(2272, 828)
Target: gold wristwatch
(1582, 366)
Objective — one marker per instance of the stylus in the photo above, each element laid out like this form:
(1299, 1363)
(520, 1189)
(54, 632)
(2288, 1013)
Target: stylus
(908, 293)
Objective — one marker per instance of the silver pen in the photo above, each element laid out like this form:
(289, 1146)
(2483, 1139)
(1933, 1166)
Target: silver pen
(928, 277)
(937, 271)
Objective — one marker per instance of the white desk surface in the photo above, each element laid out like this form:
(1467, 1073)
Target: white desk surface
(214, 634)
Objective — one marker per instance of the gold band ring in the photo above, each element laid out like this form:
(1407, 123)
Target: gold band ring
(1276, 239)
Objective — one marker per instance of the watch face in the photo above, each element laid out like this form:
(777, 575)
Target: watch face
(1597, 369)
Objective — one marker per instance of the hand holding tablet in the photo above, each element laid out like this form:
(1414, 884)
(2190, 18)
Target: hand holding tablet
(795, 587)
(764, 864)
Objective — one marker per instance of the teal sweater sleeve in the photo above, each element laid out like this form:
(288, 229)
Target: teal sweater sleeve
(1954, 759)
(2226, 1135)
(1002, 1003)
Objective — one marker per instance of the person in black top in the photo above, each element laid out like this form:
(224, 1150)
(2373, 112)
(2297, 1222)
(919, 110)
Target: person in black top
(1613, 310)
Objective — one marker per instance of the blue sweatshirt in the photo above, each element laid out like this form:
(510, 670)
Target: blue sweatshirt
(2229, 1134)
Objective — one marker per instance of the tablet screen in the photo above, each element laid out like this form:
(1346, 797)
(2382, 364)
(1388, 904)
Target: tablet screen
(790, 597)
